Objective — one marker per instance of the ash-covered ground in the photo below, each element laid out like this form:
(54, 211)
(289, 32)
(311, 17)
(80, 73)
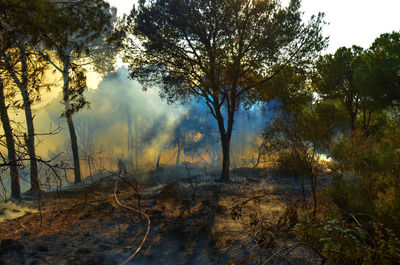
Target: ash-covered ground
(194, 220)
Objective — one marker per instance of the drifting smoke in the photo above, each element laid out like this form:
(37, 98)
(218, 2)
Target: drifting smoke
(10, 210)
(123, 123)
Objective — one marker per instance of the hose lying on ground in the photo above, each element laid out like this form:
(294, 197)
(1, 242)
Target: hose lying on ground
(142, 213)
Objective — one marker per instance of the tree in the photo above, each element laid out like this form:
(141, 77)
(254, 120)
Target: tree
(78, 36)
(194, 135)
(379, 74)
(5, 120)
(154, 137)
(302, 130)
(219, 51)
(294, 141)
(20, 26)
(85, 130)
(335, 79)
(12, 155)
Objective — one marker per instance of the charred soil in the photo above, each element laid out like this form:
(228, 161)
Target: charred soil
(194, 220)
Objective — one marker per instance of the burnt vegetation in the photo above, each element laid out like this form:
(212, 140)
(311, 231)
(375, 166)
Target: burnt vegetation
(227, 137)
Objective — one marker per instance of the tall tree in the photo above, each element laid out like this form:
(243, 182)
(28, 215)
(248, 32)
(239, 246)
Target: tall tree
(5, 120)
(220, 51)
(379, 74)
(335, 79)
(12, 155)
(78, 37)
(20, 25)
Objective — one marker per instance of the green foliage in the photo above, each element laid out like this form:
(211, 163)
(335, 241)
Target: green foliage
(351, 243)
(364, 187)
(217, 51)
(334, 80)
(379, 73)
(366, 175)
(359, 214)
(334, 76)
(300, 136)
(365, 82)
(78, 35)
(207, 48)
(289, 86)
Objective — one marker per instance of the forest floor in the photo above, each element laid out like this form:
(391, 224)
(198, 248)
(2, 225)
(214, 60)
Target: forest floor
(194, 220)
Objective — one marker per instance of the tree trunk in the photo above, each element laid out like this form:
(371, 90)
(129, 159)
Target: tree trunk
(74, 142)
(30, 143)
(352, 115)
(74, 146)
(225, 142)
(89, 165)
(158, 160)
(136, 127)
(258, 158)
(22, 84)
(352, 121)
(30, 138)
(314, 193)
(178, 154)
(12, 156)
(130, 140)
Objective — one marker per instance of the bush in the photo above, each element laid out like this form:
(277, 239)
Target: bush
(343, 242)
(366, 177)
(365, 182)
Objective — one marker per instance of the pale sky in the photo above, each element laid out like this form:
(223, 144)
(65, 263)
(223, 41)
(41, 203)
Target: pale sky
(351, 22)
(356, 22)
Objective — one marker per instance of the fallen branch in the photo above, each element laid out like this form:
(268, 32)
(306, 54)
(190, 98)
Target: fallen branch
(282, 253)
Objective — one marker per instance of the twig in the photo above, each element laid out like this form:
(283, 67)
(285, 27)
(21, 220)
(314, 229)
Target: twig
(287, 250)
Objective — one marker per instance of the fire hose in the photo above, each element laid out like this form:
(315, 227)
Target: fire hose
(135, 210)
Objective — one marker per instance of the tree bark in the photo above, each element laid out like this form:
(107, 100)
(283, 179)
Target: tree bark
(136, 127)
(352, 110)
(30, 138)
(225, 141)
(130, 140)
(74, 147)
(12, 156)
(258, 158)
(89, 164)
(178, 154)
(30, 143)
(158, 160)
(72, 133)
(130, 133)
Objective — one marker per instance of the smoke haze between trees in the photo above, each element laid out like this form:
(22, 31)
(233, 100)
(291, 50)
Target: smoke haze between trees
(125, 122)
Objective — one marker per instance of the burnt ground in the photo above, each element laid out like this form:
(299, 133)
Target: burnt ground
(194, 220)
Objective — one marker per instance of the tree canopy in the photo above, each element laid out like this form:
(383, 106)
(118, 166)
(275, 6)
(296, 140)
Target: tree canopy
(219, 51)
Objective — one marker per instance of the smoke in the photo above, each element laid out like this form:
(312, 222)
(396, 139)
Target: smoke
(121, 121)
(10, 210)
(124, 122)
(249, 125)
